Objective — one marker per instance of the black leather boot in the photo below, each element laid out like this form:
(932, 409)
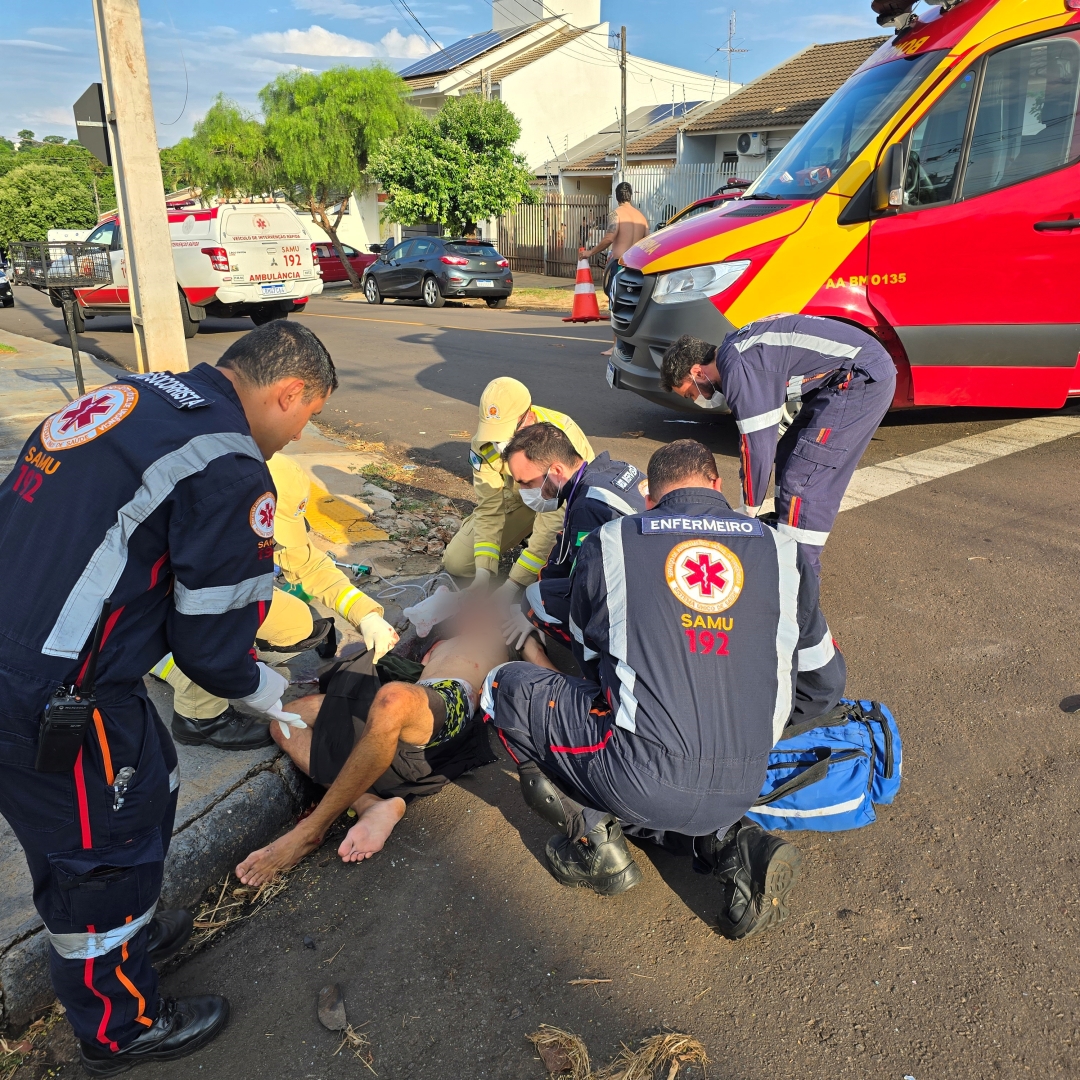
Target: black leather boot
(323, 639)
(600, 860)
(183, 1025)
(232, 730)
(167, 934)
(757, 871)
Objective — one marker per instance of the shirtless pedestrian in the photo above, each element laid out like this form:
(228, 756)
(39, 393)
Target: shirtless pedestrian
(375, 746)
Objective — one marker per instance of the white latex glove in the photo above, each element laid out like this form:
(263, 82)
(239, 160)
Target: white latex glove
(285, 720)
(481, 580)
(441, 604)
(517, 629)
(509, 592)
(379, 635)
(272, 684)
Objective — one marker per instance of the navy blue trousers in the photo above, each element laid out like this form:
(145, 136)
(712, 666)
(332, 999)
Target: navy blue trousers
(820, 451)
(96, 870)
(562, 725)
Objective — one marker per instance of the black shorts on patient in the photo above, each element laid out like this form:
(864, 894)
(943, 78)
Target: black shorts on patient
(350, 688)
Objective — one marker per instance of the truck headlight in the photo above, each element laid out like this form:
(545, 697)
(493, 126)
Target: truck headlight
(696, 282)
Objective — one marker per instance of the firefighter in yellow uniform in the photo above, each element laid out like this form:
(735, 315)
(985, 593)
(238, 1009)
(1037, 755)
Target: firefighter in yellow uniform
(501, 518)
(199, 718)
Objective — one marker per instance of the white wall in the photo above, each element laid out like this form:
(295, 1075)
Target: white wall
(359, 227)
(509, 13)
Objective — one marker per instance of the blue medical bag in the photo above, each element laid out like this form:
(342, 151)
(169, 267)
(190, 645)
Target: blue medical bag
(827, 774)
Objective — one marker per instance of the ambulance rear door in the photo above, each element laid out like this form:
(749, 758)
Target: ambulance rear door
(975, 270)
(269, 250)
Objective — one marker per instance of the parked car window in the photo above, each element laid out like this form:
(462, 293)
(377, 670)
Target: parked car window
(400, 251)
(937, 143)
(422, 247)
(349, 252)
(1026, 114)
(479, 251)
(103, 234)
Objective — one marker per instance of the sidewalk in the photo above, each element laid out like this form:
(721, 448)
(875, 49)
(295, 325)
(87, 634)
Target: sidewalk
(229, 803)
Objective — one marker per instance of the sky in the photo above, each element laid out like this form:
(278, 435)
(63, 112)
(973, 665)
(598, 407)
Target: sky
(198, 48)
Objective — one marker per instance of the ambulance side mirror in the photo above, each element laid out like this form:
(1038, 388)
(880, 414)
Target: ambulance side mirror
(889, 180)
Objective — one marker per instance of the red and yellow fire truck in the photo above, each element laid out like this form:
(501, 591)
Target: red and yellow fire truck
(933, 200)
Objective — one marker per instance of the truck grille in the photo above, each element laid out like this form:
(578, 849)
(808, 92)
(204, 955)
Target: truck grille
(626, 296)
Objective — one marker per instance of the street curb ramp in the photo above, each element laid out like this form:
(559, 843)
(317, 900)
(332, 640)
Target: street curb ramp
(202, 851)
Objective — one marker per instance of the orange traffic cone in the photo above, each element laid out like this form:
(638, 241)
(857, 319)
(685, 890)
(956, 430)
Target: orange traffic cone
(585, 307)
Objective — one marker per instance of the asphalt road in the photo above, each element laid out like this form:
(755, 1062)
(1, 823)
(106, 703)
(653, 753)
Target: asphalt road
(938, 942)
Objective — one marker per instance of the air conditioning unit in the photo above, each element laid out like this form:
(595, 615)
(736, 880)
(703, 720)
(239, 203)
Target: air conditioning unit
(753, 143)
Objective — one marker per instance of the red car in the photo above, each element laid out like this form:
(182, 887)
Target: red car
(722, 195)
(326, 258)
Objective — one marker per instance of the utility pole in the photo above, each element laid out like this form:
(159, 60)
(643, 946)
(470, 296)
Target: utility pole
(140, 193)
(729, 48)
(622, 113)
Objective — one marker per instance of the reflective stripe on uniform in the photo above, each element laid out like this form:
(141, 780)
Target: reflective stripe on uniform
(794, 387)
(804, 536)
(800, 341)
(347, 600)
(174, 779)
(80, 611)
(164, 667)
(485, 549)
(531, 563)
(89, 946)
(626, 717)
(611, 499)
(611, 547)
(536, 602)
(490, 453)
(218, 599)
(579, 637)
(817, 656)
(787, 628)
(762, 420)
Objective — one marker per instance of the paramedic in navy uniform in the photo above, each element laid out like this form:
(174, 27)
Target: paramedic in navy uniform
(845, 380)
(702, 631)
(152, 494)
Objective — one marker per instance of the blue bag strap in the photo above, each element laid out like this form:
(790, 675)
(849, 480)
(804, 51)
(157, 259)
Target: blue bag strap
(812, 774)
(840, 715)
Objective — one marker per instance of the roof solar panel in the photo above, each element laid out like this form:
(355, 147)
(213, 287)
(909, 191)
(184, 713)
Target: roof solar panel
(671, 112)
(461, 52)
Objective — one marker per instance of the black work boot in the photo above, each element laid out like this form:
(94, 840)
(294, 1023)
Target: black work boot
(183, 1025)
(232, 730)
(167, 934)
(600, 860)
(757, 871)
(323, 639)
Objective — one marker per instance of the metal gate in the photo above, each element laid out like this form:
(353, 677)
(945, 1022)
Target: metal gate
(662, 190)
(544, 238)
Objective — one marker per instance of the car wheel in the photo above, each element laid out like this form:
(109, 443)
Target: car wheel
(371, 291)
(497, 302)
(264, 313)
(430, 293)
(191, 326)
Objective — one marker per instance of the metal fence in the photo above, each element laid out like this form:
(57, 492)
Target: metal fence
(544, 239)
(662, 190)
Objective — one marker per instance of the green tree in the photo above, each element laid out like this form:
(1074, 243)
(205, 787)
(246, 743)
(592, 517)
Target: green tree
(54, 140)
(457, 168)
(26, 138)
(225, 154)
(323, 129)
(90, 172)
(35, 198)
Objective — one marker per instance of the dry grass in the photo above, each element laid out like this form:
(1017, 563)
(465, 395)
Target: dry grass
(360, 1045)
(659, 1057)
(232, 906)
(17, 1050)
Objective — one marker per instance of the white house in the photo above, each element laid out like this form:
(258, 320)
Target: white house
(556, 66)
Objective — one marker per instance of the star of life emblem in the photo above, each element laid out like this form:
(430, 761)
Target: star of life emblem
(262, 515)
(704, 575)
(88, 417)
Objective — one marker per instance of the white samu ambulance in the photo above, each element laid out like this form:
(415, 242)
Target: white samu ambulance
(231, 260)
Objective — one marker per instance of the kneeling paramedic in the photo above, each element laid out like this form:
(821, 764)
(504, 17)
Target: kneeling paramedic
(505, 515)
(703, 630)
(845, 380)
(201, 718)
(139, 518)
(542, 459)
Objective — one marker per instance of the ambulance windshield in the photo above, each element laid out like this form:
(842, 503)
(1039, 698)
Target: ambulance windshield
(840, 129)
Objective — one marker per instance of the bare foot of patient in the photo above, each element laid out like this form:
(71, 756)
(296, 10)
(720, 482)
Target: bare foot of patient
(283, 854)
(371, 830)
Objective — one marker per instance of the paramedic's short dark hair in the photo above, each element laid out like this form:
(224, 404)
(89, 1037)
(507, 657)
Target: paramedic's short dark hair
(623, 192)
(680, 357)
(676, 464)
(282, 350)
(543, 444)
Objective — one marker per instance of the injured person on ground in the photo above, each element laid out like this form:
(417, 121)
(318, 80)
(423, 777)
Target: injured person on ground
(376, 738)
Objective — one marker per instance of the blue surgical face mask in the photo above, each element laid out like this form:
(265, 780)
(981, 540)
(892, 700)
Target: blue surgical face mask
(703, 402)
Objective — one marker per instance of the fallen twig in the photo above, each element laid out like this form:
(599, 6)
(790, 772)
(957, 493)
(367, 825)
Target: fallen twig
(587, 982)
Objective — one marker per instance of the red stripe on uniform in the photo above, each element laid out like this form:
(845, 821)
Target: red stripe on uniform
(793, 511)
(106, 1004)
(823, 435)
(110, 622)
(748, 483)
(507, 745)
(583, 749)
(84, 806)
(156, 569)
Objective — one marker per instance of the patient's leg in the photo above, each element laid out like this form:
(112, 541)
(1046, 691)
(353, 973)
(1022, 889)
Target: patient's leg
(298, 746)
(377, 818)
